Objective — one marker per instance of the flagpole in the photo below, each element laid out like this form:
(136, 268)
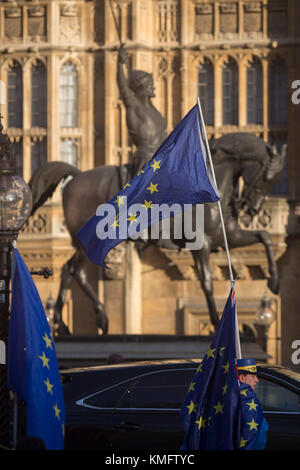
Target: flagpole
(232, 280)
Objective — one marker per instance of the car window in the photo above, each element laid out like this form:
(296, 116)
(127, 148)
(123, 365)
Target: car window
(162, 389)
(107, 398)
(276, 397)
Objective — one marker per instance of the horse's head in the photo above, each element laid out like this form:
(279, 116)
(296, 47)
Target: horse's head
(259, 177)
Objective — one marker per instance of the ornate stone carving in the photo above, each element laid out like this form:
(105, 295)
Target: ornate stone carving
(36, 21)
(13, 23)
(204, 20)
(39, 224)
(252, 17)
(228, 19)
(168, 24)
(70, 30)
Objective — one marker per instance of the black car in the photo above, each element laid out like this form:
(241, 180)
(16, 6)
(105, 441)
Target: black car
(136, 406)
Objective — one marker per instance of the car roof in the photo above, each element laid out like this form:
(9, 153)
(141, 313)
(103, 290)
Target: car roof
(132, 364)
(262, 367)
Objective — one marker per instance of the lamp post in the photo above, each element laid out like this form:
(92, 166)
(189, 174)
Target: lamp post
(264, 317)
(15, 208)
(49, 310)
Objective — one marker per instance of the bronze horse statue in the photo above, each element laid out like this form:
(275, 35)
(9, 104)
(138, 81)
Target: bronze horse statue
(234, 155)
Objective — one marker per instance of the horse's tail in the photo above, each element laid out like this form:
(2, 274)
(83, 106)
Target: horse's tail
(45, 180)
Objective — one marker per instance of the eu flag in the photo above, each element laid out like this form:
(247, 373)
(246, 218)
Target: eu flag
(32, 364)
(177, 175)
(211, 410)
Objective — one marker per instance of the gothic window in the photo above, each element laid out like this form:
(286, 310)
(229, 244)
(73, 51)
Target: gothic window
(206, 91)
(278, 92)
(17, 151)
(68, 95)
(38, 154)
(15, 95)
(68, 151)
(230, 93)
(254, 93)
(38, 96)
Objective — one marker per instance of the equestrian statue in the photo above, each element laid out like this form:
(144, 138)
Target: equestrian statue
(234, 156)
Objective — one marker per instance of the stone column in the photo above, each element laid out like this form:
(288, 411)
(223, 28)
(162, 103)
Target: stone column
(133, 292)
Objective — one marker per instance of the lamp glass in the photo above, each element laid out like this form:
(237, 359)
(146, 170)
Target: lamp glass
(15, 202)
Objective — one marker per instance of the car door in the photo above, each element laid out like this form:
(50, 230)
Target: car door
(280, 404)
(148, 413)
(92, 420)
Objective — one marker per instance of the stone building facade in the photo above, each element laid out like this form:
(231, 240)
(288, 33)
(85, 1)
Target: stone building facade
(60, 101)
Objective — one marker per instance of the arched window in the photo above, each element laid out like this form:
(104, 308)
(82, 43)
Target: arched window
(254, 93)
(278, 87)
(206, 91)
(15, 95)
(68, 95)
(38, 95)
(38, 154)
(230, 92)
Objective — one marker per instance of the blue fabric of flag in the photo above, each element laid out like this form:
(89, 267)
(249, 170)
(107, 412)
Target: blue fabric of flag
(33, 371)
(211, 411)
(176, 175)
(254, 425)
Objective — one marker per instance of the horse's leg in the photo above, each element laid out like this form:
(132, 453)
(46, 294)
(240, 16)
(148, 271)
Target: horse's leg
(80, 275)
(241, 237)
(201, 260)
(65, 280)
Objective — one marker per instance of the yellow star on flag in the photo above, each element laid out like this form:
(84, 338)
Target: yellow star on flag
(221, 350)
(47, 341)
(132, 218)
(115, 223)
(152, 188)
(140, 172)
(127, 185)
(192, 386)
(57, 411)
(252, 425)
(48, 385)
(199, 368)
(252, 405)
(218, 407)
(155, 165)
(45, 360)
(244, 392)
(224, 389)
(210, 353)
(201, 422)
(243, 442)
(226, 367)
(119, 200)
(147, 204)
(192, 407)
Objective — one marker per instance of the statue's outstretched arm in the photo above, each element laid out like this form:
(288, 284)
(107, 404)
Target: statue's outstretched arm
(126, 93)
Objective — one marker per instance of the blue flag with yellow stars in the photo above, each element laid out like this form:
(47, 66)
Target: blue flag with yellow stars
(210, 413)
(32, 364)
(177, 175)
(254, 426)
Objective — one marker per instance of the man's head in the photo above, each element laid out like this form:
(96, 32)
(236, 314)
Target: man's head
(247, 372)
(142, 80)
